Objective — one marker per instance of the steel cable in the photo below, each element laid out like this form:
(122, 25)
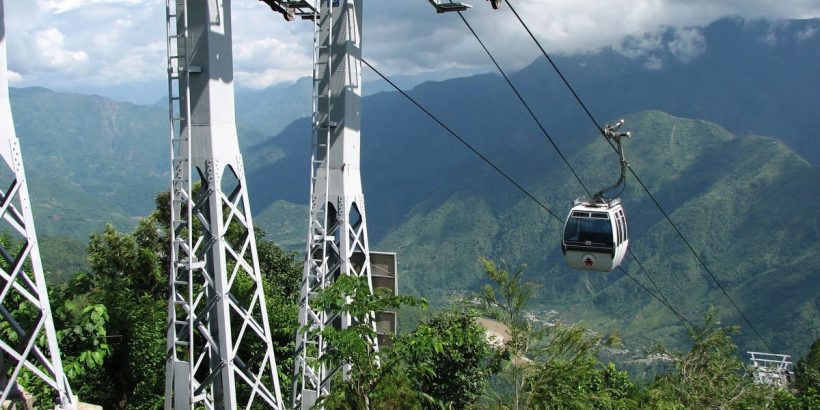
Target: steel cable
(634, 174)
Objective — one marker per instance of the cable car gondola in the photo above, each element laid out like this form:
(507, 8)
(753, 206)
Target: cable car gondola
(596, 235)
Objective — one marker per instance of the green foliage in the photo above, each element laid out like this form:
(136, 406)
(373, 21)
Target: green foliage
(807, 373)
(82, 336)
(372, 374)
(578, 384)
(448, 358)
(62, 257)
(548, 367)
(131, 284)
(89, 326)
(504, 300)
(120, 258)
(282, 276)
(710, 375)
(80, 323)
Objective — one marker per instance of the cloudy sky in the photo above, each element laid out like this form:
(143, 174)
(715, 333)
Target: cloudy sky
(117, 47)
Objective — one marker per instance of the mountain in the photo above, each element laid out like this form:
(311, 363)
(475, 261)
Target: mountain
(732, 192)
(97, 160)
(744, 201)
(733, 198)
(91, 160)
(270, 109)
(752, 77)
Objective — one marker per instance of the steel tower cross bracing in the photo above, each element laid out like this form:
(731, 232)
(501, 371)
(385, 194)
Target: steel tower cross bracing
(22, 283)
(220, 353)
(337, 242)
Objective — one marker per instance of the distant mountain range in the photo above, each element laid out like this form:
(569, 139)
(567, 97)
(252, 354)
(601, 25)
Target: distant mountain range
(746, 202)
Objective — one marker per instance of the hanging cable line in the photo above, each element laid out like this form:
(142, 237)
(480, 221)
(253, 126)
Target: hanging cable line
(665, 301)
(487, 161)
(463, 141)
(634, 174)
(526, 106)
(662, 299)
(544, 52)
(554, 145)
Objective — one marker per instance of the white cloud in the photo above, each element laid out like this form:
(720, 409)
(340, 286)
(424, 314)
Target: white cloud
(769, 39)
(640, 45)
(96, 43)
(142, 63)
(653, 63)
(63, 6)
(687, 44)
(48, 49)
(563, 27)
(14, 77)
(90, 43)
(682, 44)
(807, 33)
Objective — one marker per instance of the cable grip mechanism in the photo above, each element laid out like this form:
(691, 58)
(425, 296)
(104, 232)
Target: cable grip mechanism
(611, 133)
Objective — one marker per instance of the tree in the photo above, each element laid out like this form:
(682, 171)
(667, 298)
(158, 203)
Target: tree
(807, 383)
(282, 275)
(710, 375)
(82, 336)
(448, 357)
(80, 324)
(375, 379)
(567, 375)
(549, 367)
(132, 284)
(505, 300)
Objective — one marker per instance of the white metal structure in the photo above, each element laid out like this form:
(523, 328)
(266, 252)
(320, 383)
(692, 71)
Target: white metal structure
(220, 354)
(771, 369)
(337, 242)
(19, 288)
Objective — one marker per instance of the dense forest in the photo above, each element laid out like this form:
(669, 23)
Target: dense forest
(111, 325)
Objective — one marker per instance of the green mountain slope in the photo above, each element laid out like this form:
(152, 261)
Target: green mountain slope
(271, 109)
(91, 160)
(432, 201)
(735, 199)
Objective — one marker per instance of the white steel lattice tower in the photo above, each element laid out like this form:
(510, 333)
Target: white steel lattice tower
(24, 306)
(337, 234)
(220, 354)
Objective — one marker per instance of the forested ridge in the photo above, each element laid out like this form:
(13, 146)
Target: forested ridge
(111, 323)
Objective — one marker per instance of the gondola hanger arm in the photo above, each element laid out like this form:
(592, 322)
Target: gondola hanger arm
(611, 133)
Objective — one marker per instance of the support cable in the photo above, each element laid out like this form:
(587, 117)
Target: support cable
(555, 146)
(487, 161)
(463, 141)
(665, 301)
(526, 106)
(662, 299)
(634, 174)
